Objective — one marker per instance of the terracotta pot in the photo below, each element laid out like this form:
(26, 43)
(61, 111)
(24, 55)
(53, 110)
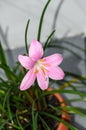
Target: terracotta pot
(65, 116)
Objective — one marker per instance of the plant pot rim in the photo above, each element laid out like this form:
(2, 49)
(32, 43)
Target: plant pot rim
(65, 116)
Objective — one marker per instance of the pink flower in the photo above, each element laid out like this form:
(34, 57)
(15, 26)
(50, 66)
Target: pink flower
(42, 69)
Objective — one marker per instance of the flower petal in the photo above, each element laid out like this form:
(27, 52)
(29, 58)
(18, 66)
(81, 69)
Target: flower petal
(54, 59)
(28, 80)
(35, 50)
(56, 73)
(43, 80)
(26, 61)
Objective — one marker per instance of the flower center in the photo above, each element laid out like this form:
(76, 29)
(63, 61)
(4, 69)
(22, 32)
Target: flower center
(41, 66)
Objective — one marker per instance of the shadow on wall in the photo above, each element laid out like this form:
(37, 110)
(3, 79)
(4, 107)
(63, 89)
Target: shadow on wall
(71, 63)
(4, 40)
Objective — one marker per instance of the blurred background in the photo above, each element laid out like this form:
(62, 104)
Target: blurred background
(67, 17)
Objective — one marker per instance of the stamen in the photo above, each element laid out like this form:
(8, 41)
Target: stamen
(42, 60)
(46, 64)
(41, 65)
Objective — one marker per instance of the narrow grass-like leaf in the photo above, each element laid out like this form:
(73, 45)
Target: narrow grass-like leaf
(26, 30)
(41, 20)
(33, 118)
(36, 120)
(3, 63)
(75, 75)
(20, 126)
(48, 39)
(83, 110)
(10, 75)
(65, 91)
(16, 67)
(44, 123)
(2, 55)
(3, 124)
(8, 109)
(29, 97)
(2, 92)
(5, 98)
(56, 108)
(60, 120)
(76, 99)
(74, 110)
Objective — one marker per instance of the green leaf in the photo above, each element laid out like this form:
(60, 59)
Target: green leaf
(60, 120)
(76, 99)
(56, 108)
(48, 39)
(34, 117)
(8, 109)
(10, 75)
(20, 126)
(41, 20)
(65, 91)
(29, 97)
(75, 110)
(2, 55)
(3, 124)
(44, 123)
(26, 30)
(5, 98)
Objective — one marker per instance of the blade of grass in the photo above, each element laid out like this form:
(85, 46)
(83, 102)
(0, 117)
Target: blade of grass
(3, 124)
(44, 123)
(75, 100)
(5, 99)
(16, 67)
(3, 62)
(26, 30)
(48, 39)
(65, 91)
(58, 119)
(29, 97)
(41, 20)
(34, 117)
(20, 126)
(9, 110)
(2, 55)
(74, 110)
(10, 75)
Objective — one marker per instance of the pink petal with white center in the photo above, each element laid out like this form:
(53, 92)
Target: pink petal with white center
(26, 61)
(43, 80)
(54, 59)
(28, 80)
(56, 73)
(35, 50)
